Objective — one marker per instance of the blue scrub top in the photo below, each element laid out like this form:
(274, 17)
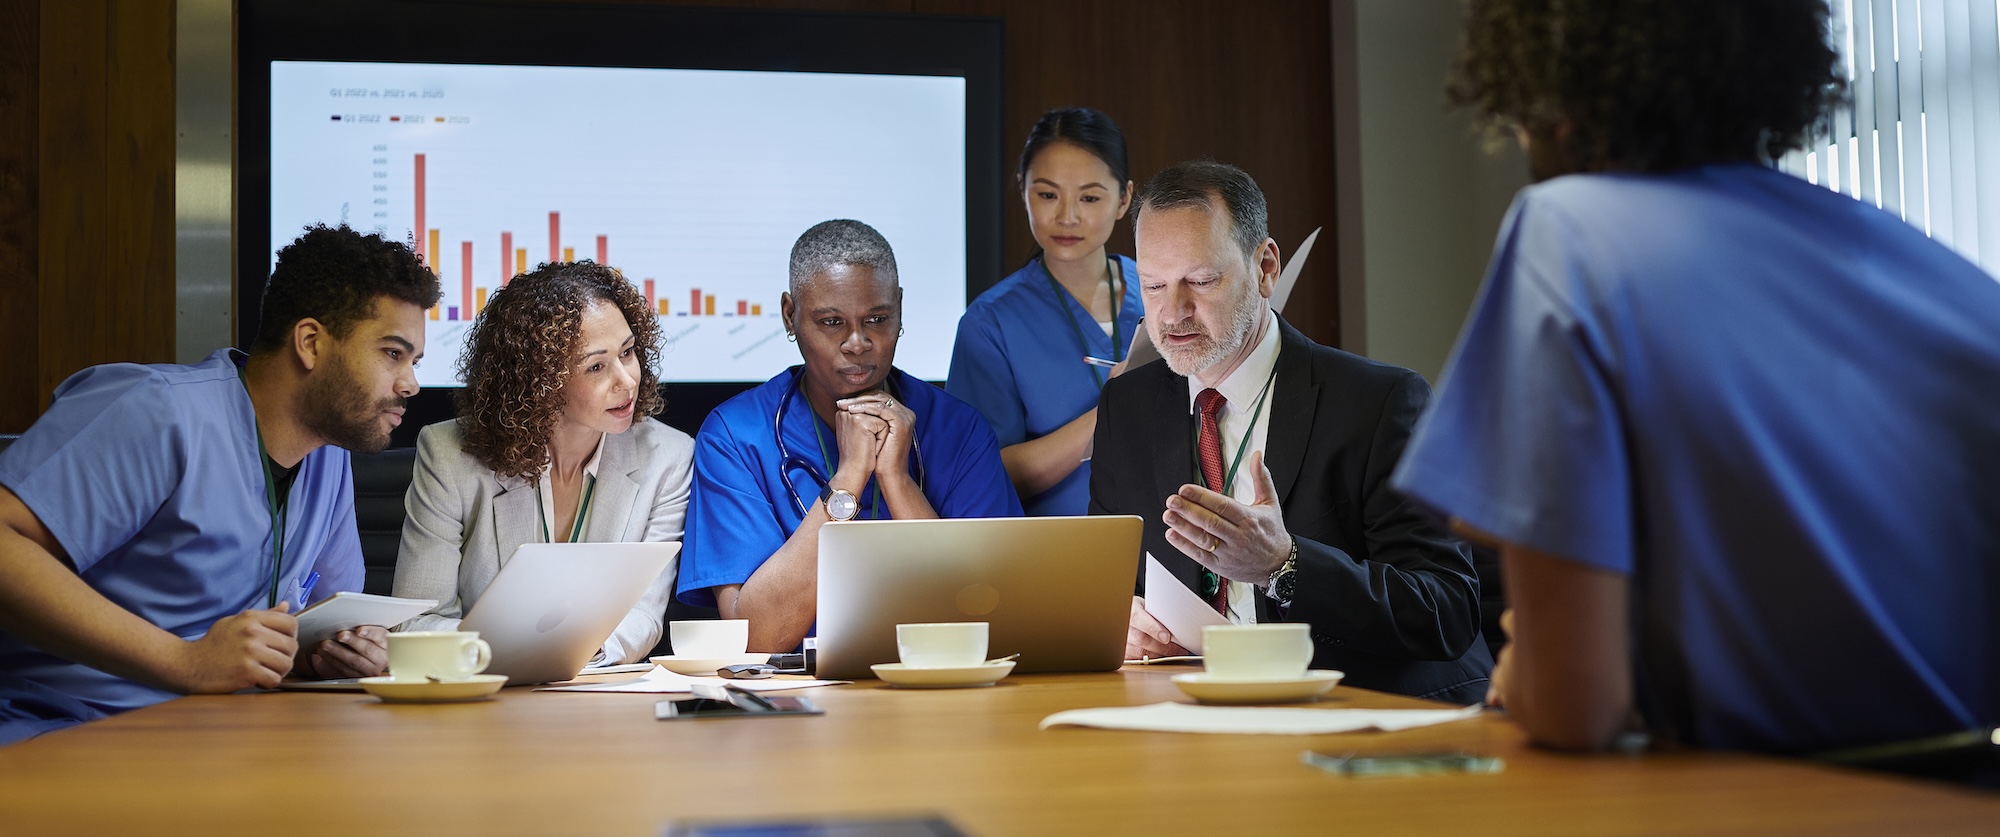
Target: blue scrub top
(1018, 363)
(1770, 406)
(151, 479)
(741, 512)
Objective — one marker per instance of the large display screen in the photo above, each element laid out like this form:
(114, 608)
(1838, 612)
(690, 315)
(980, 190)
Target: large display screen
(693, 183)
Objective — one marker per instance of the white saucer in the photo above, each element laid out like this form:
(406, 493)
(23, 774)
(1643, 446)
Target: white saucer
(909, 677)
(1202, 687)
(391, 690)
(706, 666)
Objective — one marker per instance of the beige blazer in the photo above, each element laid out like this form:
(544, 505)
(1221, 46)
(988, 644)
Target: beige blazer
(464, 522)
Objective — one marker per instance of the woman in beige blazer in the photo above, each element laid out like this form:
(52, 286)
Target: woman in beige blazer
(553, 443)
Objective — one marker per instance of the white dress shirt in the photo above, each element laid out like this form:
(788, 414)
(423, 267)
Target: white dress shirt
(1240, 390)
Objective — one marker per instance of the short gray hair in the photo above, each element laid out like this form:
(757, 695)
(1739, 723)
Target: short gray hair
(840, 242)
(1201, 183)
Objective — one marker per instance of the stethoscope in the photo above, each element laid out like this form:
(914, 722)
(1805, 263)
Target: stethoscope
(789, 462)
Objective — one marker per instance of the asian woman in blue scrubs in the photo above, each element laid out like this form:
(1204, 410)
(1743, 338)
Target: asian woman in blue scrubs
(843, 436)
(1020, 358)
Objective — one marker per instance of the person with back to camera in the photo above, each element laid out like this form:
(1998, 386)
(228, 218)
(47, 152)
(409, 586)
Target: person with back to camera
(843, 436)
(1733, 431)
(1019, 357)
(554, 443)
(160, 523)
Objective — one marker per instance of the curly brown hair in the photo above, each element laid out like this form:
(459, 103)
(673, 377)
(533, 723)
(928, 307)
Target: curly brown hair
(1650, 85)
(518, 358)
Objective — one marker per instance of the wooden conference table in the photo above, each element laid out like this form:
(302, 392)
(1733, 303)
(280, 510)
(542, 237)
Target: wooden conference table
(567, 763)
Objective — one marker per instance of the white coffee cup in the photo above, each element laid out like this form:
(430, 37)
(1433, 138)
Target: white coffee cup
(941, 644)
(1256, 652)
(710, 638)
(445, 655)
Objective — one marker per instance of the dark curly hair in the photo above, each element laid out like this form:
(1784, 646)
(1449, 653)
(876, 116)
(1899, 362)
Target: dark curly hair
(518, 357)
(1649, 85)
(334, 275)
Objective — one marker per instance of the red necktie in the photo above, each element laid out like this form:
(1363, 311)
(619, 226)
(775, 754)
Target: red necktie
(1210, 402)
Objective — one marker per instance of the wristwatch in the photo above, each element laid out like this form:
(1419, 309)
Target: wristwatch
(840, 505)
(1285, 581)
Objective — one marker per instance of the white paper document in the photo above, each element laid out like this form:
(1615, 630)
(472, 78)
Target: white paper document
(1181, 717)
(660, 681)
(1177, 607)
(347, 610)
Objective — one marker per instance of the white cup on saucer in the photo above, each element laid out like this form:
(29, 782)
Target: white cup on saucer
(941, 644)
(1256, 652)
(710, 638)
(439, 655)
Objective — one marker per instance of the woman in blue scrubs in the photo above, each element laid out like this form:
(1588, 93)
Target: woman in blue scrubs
(1021, 349)
(844, 436)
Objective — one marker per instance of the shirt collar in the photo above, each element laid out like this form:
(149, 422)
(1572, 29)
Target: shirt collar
(1243, 384)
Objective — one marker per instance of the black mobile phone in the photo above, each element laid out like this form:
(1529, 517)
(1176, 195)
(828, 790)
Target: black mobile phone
(680, 710)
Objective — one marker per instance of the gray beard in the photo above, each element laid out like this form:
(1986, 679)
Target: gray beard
(1185, 362)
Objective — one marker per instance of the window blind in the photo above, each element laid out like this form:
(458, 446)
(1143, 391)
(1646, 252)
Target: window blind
(1921, 135)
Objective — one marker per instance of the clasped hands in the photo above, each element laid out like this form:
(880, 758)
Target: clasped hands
(874, 432)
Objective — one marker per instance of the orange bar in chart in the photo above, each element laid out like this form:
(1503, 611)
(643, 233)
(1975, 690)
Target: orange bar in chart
(603, 249)
(434, 312)
(708, 305)
(520, 260)
(756, 310)
(465, 279)
(569, 254)
(480, 305)
(555, 235)
(419, 228)
(431, 260)
(506, 249)
(663, 308)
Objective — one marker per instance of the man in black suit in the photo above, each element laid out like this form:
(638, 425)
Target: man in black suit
(1317, 537)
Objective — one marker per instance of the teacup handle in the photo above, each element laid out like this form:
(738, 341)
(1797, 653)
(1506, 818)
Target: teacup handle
(482, 653)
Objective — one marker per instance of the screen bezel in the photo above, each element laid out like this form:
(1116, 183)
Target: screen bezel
(636, 35)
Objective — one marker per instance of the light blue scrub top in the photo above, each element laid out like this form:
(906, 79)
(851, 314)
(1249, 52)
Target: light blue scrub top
(1772, 408)
(151, 479)
(1017, 362)
(741, 513)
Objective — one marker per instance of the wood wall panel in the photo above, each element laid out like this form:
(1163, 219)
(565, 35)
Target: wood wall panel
(20, 169)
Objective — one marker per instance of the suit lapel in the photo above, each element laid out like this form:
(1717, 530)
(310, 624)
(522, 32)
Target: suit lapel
(517, 516)
(1293, 404)
(611, 500)
(1173, 456)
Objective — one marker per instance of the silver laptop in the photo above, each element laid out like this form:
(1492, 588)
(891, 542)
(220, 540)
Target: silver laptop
(553, 604)
(1056, 590)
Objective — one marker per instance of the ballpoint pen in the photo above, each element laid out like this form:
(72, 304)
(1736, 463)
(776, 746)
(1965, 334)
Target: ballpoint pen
(1098, 361)
(305, 590)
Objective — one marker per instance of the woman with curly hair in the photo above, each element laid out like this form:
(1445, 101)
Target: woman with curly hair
(1730, 429)
(553, 444)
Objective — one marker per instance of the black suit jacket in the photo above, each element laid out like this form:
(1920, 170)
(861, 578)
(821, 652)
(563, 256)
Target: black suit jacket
(1392, 598)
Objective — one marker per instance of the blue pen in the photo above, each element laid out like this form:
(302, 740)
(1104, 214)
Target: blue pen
(305, 590)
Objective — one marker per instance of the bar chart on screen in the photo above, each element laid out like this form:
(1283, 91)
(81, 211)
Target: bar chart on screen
(694, 184)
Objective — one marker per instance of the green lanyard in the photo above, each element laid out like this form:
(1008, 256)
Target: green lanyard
(874, 504)
(272, 501)
(582, 511)
(1229, 478)
(1117, 296)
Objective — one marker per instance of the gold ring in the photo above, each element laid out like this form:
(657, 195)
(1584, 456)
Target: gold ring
(1214, 542)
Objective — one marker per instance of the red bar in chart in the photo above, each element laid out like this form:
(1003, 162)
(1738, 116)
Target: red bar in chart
(555, 236)
(420, 206)
(649, 287)
(465, 281)
(604, 250)
(506, 256)
(743, 308)
(694, 302)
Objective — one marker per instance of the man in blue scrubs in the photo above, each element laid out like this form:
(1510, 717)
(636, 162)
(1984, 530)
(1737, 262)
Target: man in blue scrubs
(1734, 431)
(845, 436)
(160, 523)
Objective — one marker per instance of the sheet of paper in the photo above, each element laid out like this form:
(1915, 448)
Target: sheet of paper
(617, 669)
(1182, 717)
(1177, 607)
(1289, 276)
(348, 610)
(660, 681)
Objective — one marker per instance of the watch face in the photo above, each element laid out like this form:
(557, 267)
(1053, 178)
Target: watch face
(841, 505)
